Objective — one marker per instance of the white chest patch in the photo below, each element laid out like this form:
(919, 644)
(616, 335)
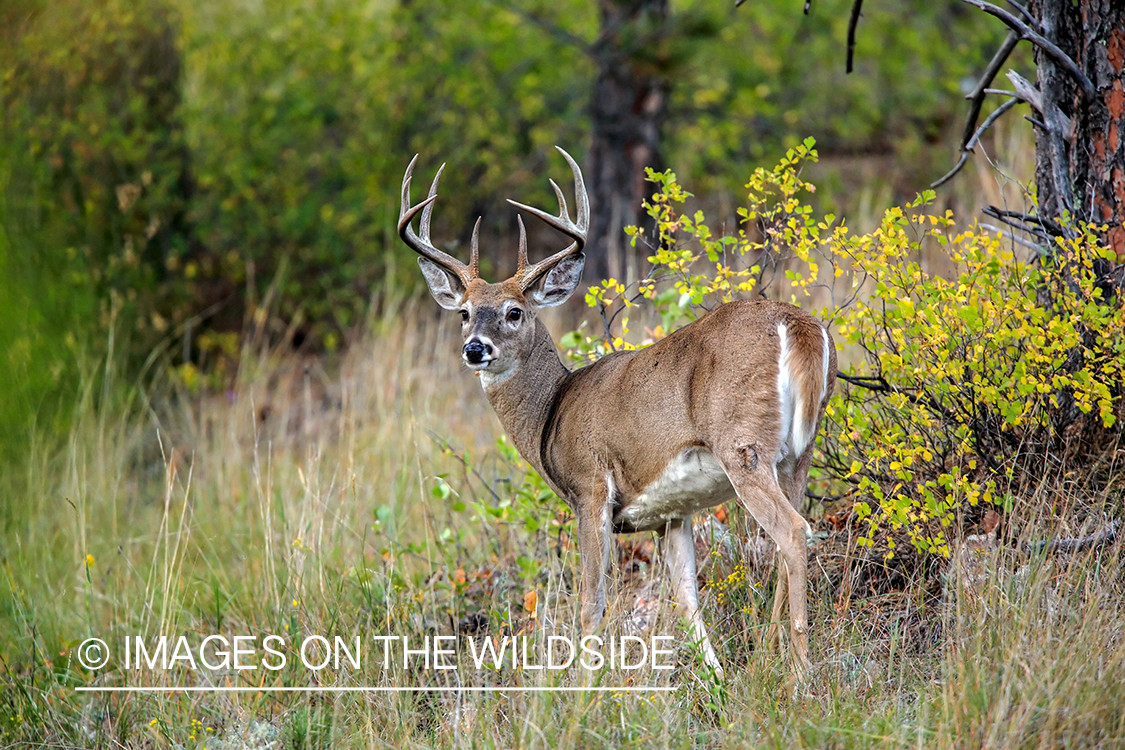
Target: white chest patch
(694, 480)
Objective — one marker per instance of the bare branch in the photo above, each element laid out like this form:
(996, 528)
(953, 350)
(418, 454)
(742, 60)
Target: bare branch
(853, 21)
(1099, 538)
(1031, 21)
(977, 96)
(1008, 235)
(990, 120)
(879, 384)
(1026, 32)
(1035, 225)
(1057, 127)
(971, 133)
(1020, 226)
(951, 173)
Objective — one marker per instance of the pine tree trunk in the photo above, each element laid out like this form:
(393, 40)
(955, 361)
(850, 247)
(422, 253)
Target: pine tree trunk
(1080, 145)
(1080, 158)
(629, 106)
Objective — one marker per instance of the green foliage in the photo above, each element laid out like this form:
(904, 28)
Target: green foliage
(40, 307)
(524, 501)
(91, 95)
(91, 202)
(301, 118)
(967, 376)
(773, 74)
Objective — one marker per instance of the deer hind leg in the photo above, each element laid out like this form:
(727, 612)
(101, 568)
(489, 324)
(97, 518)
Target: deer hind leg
(760, 493)
(678, 546)
(793, 480)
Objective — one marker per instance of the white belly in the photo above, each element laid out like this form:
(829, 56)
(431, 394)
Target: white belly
(694, 480)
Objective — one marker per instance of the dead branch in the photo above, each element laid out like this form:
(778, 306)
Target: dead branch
(1031, 21)
(1003, 213)
(976, 98)
(1026, 90)
(853, 22)
(1028, 33)
(951, 173)
(1099, 538)
(977, 95)
(967, 147)
(990, 120)
(1008, 235)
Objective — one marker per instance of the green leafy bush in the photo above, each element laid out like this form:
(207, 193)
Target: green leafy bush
(98, 167)
(958, 384)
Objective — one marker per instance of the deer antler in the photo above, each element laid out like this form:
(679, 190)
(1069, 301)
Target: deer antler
(527, 275)
(421, 244)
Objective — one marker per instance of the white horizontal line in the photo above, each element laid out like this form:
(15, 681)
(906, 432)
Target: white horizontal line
(408, 689)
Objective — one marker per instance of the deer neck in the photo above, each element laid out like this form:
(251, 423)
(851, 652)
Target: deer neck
(523, 398)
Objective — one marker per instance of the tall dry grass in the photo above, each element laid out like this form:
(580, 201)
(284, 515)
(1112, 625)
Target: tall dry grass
(369, 496)
(259, 511)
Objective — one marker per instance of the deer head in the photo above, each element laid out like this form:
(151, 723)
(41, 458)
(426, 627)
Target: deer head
(498, 320)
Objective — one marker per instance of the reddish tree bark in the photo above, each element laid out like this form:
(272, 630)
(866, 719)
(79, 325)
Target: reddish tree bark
(1080, 169)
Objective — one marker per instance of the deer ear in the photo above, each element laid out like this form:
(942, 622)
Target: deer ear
(446, 287)
(556, 286)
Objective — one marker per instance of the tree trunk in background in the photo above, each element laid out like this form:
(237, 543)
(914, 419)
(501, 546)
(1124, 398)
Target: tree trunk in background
(1080, 142)
(629, 105)
(1082, 169)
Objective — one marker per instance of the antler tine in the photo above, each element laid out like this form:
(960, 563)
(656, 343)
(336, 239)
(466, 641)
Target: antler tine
(521, 263)
(527, 275)
(428, 211)
(422, 245)
(564, 210)
(579, 192)
(474, 250)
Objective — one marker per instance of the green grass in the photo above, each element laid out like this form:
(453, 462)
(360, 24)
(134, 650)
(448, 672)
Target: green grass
(305, 502)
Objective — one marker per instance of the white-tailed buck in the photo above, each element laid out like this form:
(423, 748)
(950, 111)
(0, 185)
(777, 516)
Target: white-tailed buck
(640, 441)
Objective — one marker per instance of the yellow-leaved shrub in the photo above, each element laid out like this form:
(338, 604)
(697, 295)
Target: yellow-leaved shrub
(955, 383)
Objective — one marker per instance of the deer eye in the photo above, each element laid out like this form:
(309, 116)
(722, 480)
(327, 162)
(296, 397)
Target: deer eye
(515, 314)
(464, 316)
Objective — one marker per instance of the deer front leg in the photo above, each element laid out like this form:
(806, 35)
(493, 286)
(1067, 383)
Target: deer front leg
(594, 534)
(780, 600)
(679, 558)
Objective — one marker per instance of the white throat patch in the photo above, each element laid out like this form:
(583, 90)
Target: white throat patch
(490, 379)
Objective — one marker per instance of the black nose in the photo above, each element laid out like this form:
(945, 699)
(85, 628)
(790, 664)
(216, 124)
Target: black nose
(475, 352)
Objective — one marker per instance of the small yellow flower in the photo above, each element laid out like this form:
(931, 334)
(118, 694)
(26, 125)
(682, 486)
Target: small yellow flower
(296, 603)
(153, 722)
(89, 561)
